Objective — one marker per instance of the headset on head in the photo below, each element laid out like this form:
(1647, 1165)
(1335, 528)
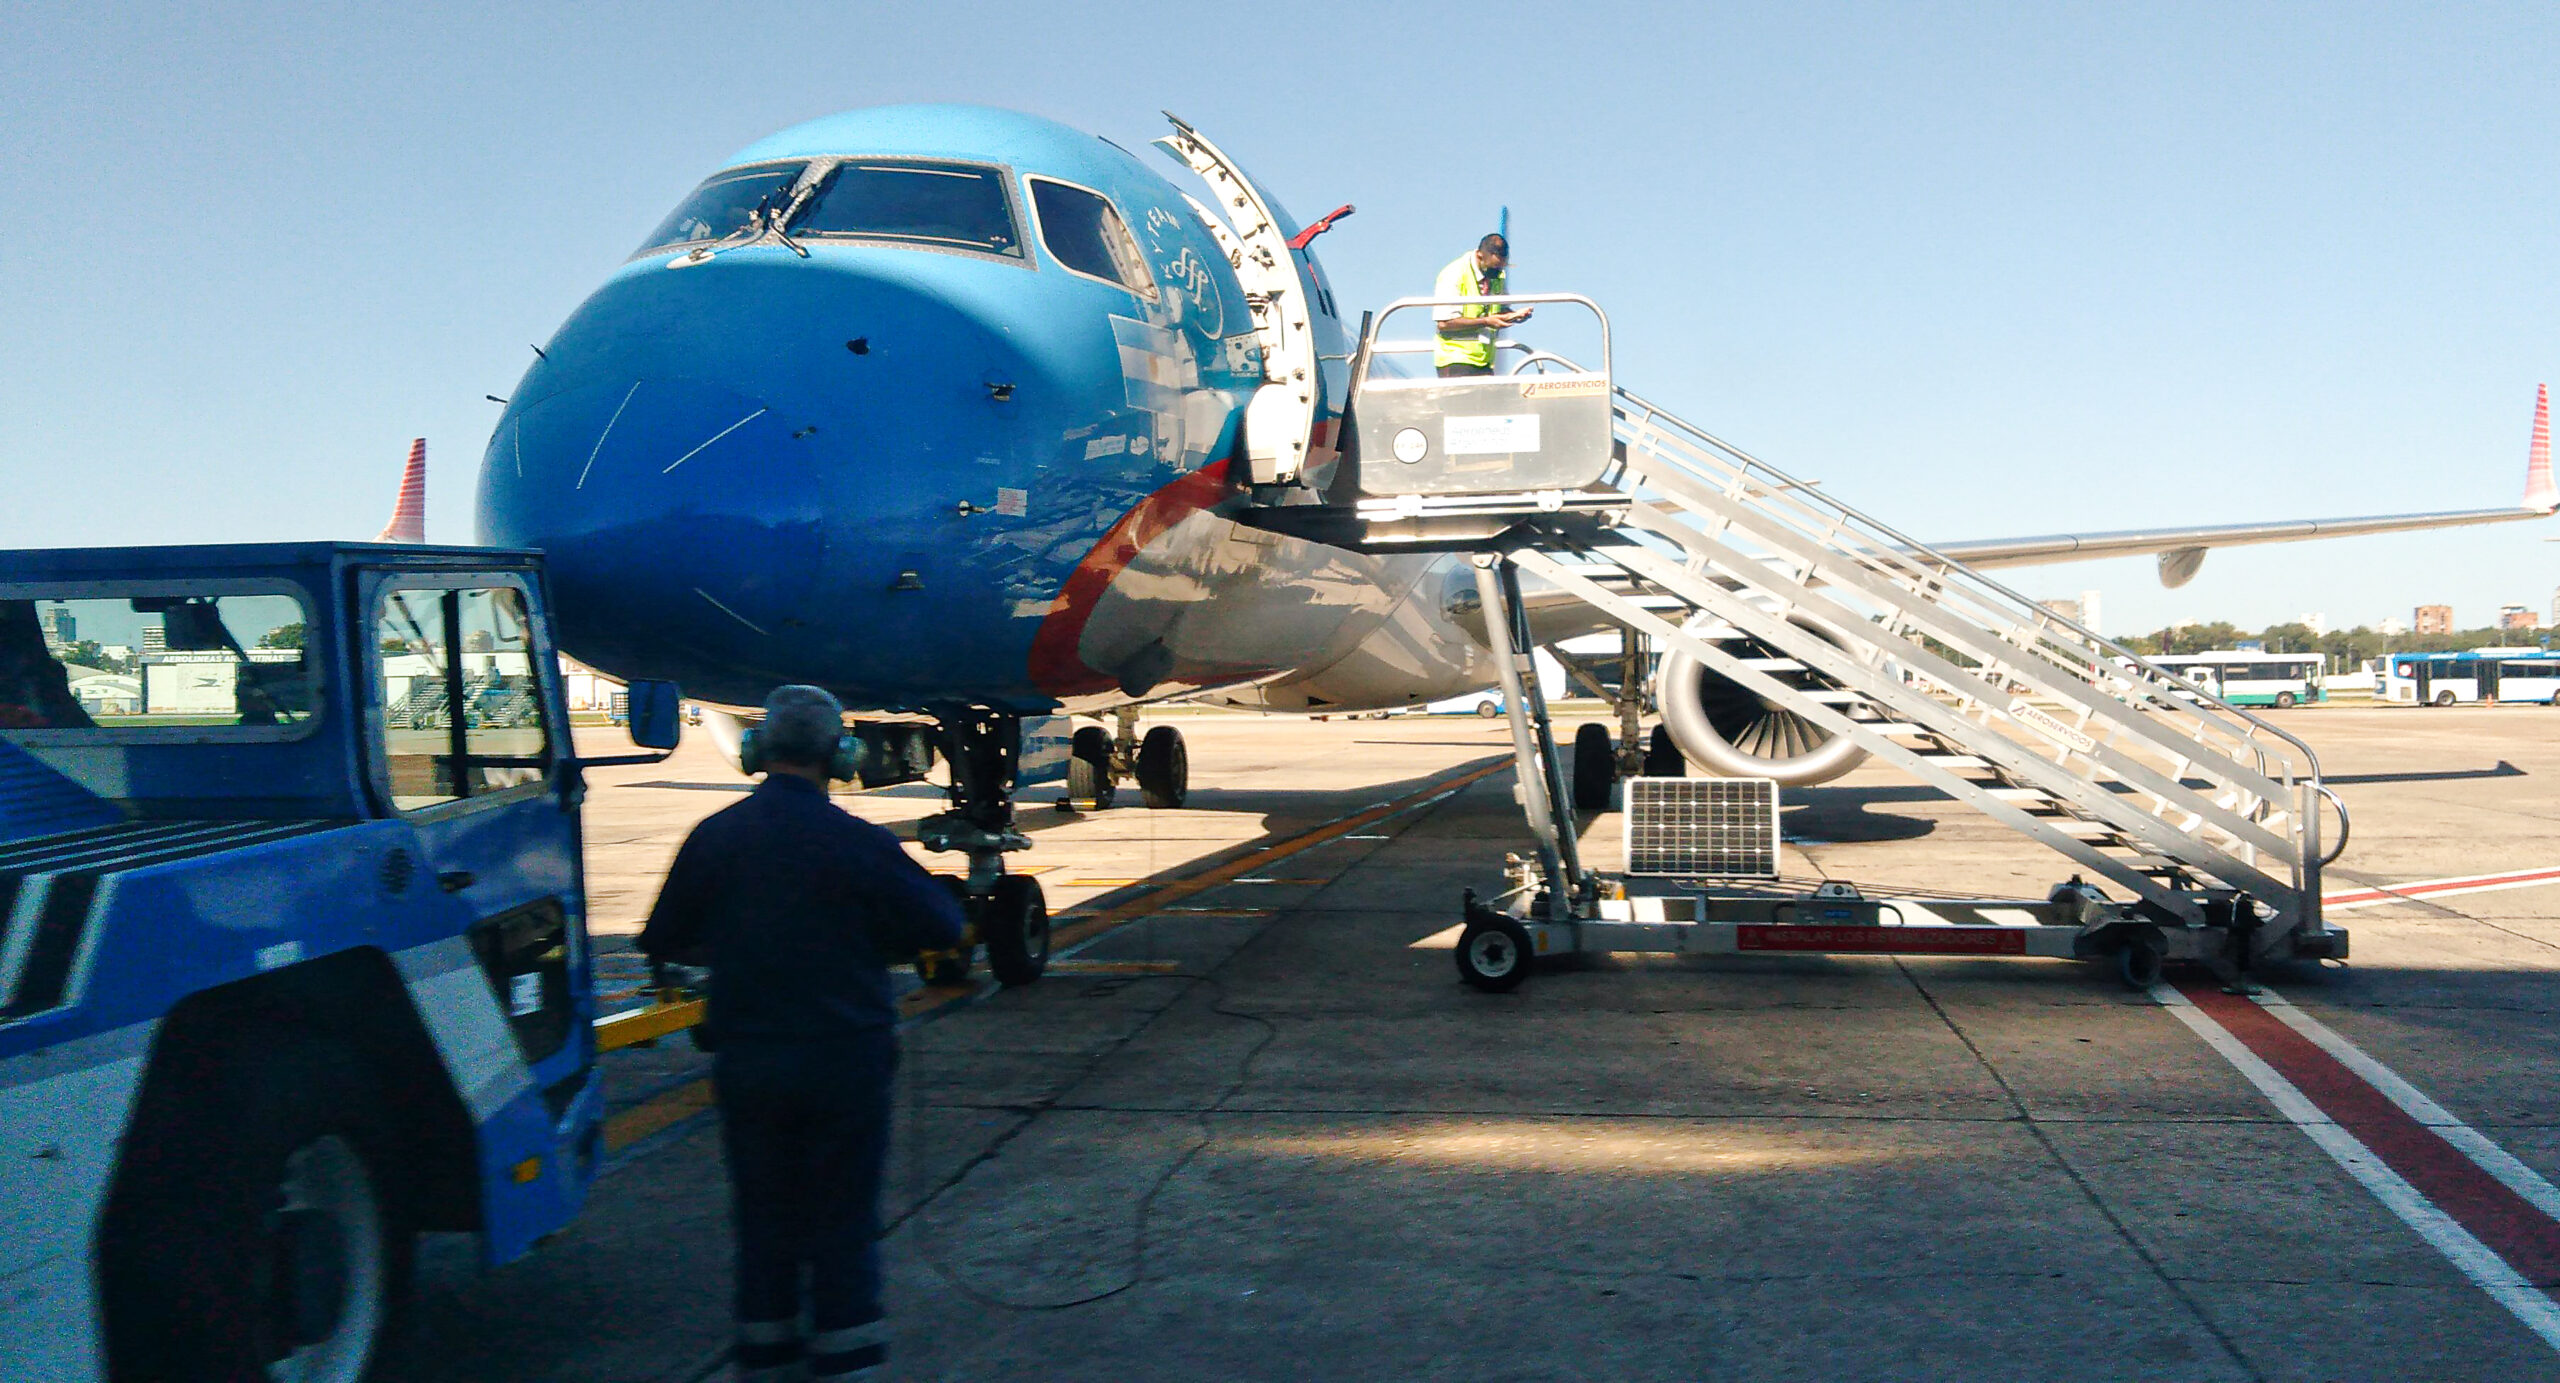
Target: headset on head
(845, 764)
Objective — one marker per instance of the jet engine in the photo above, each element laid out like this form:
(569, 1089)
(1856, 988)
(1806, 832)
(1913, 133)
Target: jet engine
(1730, 731)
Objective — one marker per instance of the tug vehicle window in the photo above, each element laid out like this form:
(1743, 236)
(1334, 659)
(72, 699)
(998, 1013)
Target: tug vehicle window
(725, 204)
(944, 205)
(171, 662)
(1084, 233)
(460, 696)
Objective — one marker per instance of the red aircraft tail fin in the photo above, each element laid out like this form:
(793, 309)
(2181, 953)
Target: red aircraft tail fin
(2539, 491)
(409, 517)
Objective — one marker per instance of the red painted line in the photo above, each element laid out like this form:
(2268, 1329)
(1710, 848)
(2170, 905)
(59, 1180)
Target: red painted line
(2493, 1213)
(2455, 885)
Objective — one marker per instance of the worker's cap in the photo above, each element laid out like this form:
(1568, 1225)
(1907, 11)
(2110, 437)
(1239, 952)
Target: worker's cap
(801, 725)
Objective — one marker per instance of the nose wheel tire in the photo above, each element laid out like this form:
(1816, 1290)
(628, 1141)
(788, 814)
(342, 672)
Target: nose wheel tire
(1493, 954)
(1662, 758)
(1164, 768)
(1013, 922)
(1595, 768)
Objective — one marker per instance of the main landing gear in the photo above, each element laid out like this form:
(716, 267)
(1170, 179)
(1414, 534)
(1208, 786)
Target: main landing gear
(1007, 914)
(1099, 761)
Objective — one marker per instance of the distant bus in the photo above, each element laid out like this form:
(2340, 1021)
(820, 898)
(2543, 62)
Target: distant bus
(2480, 674)
(2253, 679)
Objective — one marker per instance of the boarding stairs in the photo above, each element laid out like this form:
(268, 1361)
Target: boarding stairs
(2205, 818)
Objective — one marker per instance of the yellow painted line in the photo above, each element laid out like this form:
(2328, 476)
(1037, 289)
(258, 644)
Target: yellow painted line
(664, 1111)
(1175, 890)
(618, 1030)
(656, 1114)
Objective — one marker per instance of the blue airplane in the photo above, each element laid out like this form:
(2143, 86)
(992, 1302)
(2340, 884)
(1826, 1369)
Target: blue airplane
(951, 410)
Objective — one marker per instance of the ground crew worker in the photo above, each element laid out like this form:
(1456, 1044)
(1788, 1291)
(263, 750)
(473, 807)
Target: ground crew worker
(1466, 333)
(799, 908)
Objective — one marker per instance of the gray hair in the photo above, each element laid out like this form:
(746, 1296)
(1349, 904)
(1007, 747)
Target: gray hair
(801, 725)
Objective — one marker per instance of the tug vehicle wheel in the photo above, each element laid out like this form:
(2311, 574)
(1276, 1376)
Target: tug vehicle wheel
(1494, 953)
(1595, 768)
(271, 1244)
(1164, 768)
(1089, 767)
(1013, 921)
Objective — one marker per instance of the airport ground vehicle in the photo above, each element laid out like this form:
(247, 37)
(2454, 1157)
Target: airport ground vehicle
(293, 958)
(2480, 674)
(2244, 678)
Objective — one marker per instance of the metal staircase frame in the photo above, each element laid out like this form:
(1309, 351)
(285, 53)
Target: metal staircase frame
(2205, 817)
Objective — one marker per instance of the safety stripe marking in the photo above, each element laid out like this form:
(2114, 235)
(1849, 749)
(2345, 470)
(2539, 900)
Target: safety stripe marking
(2439, 888)
(2489, 1233)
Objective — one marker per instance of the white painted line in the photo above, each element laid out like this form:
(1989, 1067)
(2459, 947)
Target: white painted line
(2439, 888)
(2470, 1142)
(742, 422)
(608, 431)
(2473, 1259)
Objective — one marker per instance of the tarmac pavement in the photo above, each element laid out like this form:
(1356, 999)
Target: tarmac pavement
(1249, 1129)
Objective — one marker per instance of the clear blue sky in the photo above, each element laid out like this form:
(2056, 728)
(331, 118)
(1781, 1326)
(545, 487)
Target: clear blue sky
(1983, 269)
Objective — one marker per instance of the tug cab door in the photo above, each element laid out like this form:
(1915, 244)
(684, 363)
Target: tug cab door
(470, 749)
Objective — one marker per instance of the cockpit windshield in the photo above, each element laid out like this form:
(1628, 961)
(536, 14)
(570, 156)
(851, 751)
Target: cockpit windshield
(953, 205)
(726, 204)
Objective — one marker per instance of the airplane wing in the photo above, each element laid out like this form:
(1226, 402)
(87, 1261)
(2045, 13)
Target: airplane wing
(2182, 550)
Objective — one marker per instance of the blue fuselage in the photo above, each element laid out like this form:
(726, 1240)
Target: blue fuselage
(880, 457)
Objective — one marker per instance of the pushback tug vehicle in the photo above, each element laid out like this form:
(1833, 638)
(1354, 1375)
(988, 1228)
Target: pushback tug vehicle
(293, 952)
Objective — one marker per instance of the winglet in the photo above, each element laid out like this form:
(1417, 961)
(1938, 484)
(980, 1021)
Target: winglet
(409, 516)
(2539, 491)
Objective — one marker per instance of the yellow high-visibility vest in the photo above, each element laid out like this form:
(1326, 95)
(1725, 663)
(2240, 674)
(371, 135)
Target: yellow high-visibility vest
(1463, 279)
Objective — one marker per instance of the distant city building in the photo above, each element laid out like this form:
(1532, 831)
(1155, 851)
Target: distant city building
(2071, 610)
(2433, 619)
(2392, 628)
(2555, 607)
(2518, 617)
(59, 626)
(2316, 621)
(154, 638)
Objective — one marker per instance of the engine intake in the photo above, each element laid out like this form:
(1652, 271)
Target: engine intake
(1726, 729)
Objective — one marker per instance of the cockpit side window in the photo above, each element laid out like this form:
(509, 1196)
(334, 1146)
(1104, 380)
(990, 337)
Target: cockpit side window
(1084, 232)
(942, 205)
(726, 204)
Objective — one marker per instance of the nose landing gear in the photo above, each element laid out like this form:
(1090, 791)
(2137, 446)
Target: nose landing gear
(1007, 913)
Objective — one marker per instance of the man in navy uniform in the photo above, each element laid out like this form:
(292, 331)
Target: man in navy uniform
(800, 908)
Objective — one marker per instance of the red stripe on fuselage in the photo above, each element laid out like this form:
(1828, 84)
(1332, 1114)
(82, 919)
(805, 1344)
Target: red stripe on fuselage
(1056, 667)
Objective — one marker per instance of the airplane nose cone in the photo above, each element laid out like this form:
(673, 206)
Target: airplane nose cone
(760, 469)
(632, 486)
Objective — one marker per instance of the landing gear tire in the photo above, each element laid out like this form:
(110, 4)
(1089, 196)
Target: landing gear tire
(1662, 758)
(1595, 768)
(271, 1246)
(1164, 768)
(2138, 962)
(1493, 954)
(1089, 767)
(1013, 921)
(946, 969)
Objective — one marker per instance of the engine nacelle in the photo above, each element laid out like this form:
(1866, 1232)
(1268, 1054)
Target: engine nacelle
(1727, 730)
